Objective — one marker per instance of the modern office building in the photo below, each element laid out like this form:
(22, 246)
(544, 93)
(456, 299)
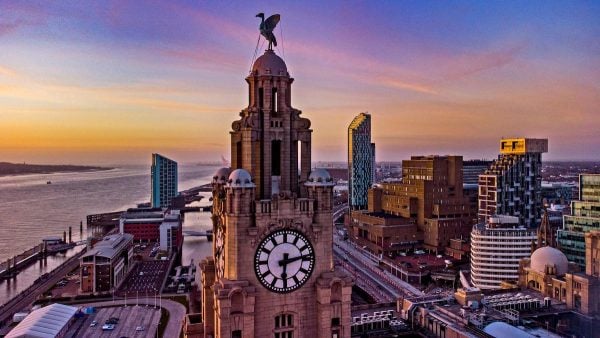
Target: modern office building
(585, 217)
(512, 183)
(497, 247)
(361, 159)
(163, 181)
(472, 169)
(430, 198)
(106, 265)
(171, 233)
(142, 223)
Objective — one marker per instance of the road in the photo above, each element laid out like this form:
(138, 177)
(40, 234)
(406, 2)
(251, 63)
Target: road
(380, 284)
(27, 297)
(176, 310)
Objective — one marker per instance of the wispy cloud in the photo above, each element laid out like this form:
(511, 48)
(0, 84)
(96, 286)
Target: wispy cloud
(7, 71)
(460, 66)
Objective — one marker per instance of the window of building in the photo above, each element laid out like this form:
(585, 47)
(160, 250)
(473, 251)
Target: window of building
(236, 334)
(284, 326)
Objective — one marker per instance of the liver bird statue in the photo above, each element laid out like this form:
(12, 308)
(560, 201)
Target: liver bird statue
(266, 28)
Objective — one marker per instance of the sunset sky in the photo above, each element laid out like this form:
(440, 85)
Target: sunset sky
(113, 82)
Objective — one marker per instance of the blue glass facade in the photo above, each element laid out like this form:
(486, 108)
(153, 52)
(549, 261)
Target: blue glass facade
(361, 159)
(163, 181)
(585, 216)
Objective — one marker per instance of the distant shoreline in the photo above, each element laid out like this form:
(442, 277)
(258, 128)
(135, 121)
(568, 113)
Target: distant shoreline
(16, 169)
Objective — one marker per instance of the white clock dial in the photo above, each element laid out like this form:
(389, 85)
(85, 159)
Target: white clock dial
(284, 261)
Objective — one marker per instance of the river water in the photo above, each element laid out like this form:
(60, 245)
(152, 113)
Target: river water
(30, 210)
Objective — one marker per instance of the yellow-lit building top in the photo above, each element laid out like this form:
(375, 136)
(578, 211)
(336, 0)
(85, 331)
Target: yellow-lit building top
(523, 145)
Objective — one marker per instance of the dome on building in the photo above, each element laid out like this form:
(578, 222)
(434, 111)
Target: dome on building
(319, 177)
(269, 64)
(549, 256)
(502, 329)
(240, 178)
(221, 175)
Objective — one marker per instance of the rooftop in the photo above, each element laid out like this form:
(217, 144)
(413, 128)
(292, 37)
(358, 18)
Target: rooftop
(48, 321)
(110, 246)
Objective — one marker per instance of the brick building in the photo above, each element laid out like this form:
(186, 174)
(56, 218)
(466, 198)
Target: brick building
(430, 196)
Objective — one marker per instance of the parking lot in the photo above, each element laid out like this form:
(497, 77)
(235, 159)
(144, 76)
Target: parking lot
(145, 278)
(130, 318)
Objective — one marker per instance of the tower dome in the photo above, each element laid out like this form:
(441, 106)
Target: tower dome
(240, 178)
(221, 175)
(318, 178)
(269, 64)
(549, 256)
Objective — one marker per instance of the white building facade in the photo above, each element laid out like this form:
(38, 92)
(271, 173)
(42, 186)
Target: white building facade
(496, 249)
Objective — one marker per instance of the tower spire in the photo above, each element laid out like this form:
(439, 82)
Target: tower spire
(545, 236)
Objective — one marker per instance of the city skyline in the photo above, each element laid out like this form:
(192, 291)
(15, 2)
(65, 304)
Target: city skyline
(113, 83)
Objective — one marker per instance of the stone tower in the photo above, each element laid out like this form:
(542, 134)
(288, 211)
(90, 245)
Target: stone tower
(272, 271)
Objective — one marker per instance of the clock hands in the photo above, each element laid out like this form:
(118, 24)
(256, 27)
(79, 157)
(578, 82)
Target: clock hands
(286, 260)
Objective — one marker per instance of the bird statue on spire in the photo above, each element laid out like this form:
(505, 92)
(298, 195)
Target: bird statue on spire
(266, 28)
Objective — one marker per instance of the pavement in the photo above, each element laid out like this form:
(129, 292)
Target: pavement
(27, 297)
(130, 318)
(145, 277)
(176, 311)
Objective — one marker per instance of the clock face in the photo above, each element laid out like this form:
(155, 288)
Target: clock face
(220, 252)
(284, 261)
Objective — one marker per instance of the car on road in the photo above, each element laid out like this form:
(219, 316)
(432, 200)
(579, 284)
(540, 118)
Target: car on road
(139, 328)
(94, 323)
(108, 327)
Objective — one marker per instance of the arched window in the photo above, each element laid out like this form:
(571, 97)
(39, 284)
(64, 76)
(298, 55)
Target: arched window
(336, 292)
(237, 303)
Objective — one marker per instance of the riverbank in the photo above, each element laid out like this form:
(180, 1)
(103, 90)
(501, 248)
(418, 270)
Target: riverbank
(14, 169)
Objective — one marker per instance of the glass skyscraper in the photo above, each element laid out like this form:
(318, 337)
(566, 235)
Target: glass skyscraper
(361, 161)
(585, 216)
(163, 181)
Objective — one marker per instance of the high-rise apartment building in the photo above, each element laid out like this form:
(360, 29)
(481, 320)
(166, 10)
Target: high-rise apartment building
(361, 161)
(430, 196)
(512, 184)
(497, 247)
(163, 181)
(585, 217)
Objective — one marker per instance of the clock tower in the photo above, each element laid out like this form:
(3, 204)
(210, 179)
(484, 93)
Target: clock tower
(272, 271)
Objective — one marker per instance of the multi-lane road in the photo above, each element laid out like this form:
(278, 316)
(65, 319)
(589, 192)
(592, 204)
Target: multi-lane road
(378, 283)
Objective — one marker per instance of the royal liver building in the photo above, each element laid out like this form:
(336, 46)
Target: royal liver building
(272, 271)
